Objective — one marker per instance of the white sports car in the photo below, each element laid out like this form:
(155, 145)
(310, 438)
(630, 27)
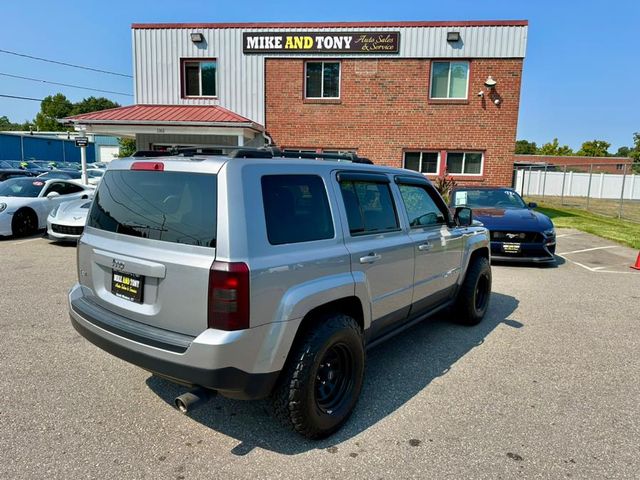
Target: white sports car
(26, 202)
(67, 220)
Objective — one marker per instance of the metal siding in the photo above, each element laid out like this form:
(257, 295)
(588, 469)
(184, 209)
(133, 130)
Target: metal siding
(144, 139)
(240, 78)
(71, 152)
(106, 140)
(10, 147)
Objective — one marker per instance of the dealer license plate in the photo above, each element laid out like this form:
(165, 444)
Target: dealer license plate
(511, 247)
(127, 285)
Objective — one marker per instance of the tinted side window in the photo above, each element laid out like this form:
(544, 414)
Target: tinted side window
(421, 208)
(69, 188)
(296, 209)
(57, 187)
(369, 207)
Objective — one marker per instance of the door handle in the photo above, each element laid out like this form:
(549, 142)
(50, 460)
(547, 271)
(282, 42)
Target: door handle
(372, 257)
(425, 247)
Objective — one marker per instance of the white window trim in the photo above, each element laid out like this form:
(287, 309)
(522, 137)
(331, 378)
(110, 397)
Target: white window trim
(184, 76)
(322, 62)
(464, 158)
(404, 161)
(466, 90)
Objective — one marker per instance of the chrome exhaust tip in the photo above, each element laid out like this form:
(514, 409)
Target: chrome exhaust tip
(192, 399)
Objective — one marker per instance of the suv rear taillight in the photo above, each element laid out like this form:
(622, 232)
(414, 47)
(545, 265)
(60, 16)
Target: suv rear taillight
(229, 296)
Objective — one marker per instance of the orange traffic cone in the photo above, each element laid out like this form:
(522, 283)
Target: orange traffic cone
(637, 265)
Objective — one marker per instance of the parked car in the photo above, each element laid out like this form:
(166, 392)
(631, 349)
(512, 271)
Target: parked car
(259, 277)
(100, 165)
(25, 165)
(7, 173)
(66, 221)
(62, 174)
(518, 233)
(69, 166)
(26, 202)
(94, 175)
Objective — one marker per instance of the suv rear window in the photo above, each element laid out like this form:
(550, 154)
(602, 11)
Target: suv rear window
(296, 209)
(176, 207)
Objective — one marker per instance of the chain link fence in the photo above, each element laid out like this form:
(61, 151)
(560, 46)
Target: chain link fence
(607, 189)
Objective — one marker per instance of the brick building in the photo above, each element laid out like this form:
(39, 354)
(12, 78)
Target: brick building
(428, 96)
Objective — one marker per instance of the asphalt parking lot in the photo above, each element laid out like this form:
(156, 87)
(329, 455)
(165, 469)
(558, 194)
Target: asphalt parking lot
(547, 386)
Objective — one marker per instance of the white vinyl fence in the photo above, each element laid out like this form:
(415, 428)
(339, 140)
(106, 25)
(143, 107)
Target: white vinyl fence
(577, 184)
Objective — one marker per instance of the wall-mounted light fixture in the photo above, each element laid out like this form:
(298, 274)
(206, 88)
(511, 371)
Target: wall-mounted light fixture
(453, 36)
(197, 37)
(490, 82)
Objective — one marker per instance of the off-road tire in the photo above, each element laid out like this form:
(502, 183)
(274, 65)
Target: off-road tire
(473, 297)
(296, 401)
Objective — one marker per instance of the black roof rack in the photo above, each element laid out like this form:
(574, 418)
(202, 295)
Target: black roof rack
(247, 152)
(271, 152)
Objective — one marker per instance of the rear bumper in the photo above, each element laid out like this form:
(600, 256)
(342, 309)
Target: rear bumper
(243, 364)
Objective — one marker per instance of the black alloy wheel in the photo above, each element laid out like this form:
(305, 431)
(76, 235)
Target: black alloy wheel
(335, 378)
(24, 223)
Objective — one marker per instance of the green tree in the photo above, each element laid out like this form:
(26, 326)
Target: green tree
(53, 107)
(623, 152)
(92, 104)
(594, 148)
(554, 148)
(524, 147)
(127, 147)
(8, 125)
(635, 152)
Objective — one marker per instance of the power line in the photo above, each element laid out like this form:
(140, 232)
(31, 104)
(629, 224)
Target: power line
(22, 98)
(65, 64)
(64, 84)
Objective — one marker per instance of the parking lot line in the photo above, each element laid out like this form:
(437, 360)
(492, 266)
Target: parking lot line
(589, 249)
(569, 234)
(26, 241)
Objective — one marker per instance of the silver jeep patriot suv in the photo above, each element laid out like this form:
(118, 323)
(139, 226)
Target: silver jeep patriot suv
(255, 275)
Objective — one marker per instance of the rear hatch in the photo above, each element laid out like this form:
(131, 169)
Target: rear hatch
(150, 242)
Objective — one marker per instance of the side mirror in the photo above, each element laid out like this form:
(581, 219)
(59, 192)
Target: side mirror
(533, 205)
(463, 216)
(52, 195)
(84, 197)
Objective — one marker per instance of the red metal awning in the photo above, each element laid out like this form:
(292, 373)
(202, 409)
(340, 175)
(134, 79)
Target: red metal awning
(196, 115)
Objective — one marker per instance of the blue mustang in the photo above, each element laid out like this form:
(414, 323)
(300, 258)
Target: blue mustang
(518, 233)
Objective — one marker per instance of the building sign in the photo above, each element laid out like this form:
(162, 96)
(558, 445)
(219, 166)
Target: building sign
(325, 42)
(82, 141)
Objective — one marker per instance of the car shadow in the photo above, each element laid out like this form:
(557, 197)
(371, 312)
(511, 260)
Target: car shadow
(62, 243)
(396, 371)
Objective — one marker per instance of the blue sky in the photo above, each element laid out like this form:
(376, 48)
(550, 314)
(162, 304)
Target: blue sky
(581, 76)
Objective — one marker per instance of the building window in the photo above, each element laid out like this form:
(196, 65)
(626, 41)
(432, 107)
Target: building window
(449, 80)
(199, 78)
(322, 80)
(423, 162)
(464, 163)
